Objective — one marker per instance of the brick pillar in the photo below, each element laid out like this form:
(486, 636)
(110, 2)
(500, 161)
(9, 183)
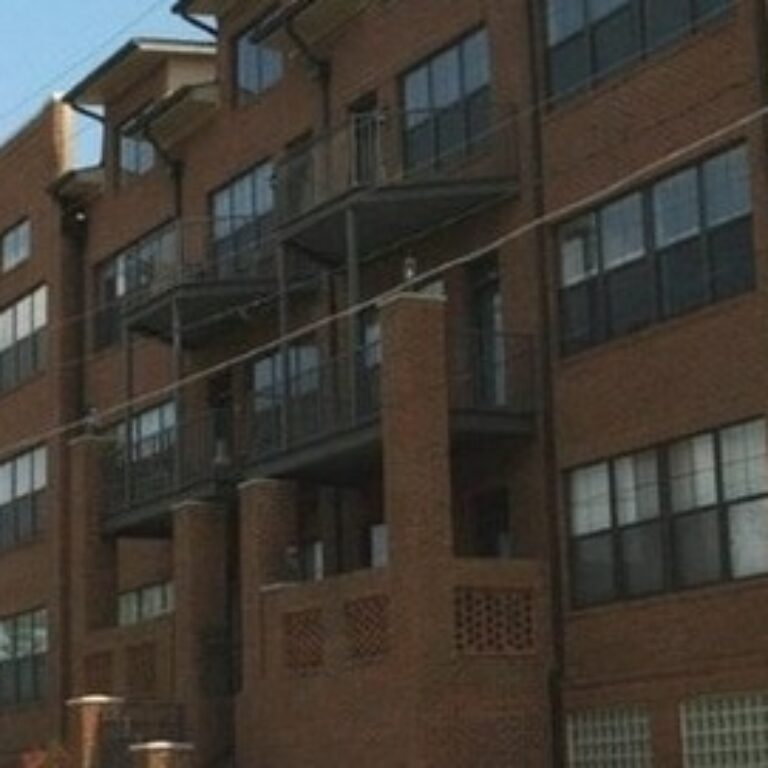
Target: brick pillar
(85, 716)
(268, 525)
(200, 553)
(93, 557)
(417, 493)
(163, 754)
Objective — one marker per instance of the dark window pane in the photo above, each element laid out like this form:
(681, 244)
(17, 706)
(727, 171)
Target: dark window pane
(642, 559)
(593, 569)
(578, 316)
(631, 297)
(731, 254)
(666, 20)
(7, 683)
(25, 518)
(420, 145)
(697, 548)
(685, 277)
(748, 525)
(40, 677)
(26, 679)
(7, 369)
(478, 107)
(569, 66)
(7, 527)
(616, 39)
(707, 9)
(451, 132)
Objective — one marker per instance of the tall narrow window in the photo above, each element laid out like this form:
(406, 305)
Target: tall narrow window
(23, 338)
(15, 245)
(258, 66)
(447, 103)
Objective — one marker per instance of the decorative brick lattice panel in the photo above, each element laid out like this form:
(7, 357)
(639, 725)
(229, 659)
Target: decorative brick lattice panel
(366, 622)
(141, 670)
(304, 640)
(98, 673)
(493, 622)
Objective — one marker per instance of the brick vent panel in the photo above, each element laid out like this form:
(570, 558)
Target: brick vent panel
(493, 622)
(304, 640)
(367, 627)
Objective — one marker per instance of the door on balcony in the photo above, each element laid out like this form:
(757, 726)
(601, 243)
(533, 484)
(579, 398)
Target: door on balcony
(364, 121)
(368, 364)
(489, 348)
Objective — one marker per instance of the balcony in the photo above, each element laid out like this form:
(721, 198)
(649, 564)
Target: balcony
(210, 276)
(325, 422)
(402, 173)
(188, 460)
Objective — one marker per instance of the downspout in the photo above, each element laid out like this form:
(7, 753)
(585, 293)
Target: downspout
(547, 423)
(180, 10)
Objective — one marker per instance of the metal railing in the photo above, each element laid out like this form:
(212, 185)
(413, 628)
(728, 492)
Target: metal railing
(138, 722)
(473, 139)
(192, 453)
(339, 394)
(491, 371)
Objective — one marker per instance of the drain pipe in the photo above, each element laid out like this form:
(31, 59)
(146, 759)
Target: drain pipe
(547, 400)
(180, 9)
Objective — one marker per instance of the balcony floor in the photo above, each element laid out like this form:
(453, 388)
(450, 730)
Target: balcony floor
(204, 309)
(389, 214)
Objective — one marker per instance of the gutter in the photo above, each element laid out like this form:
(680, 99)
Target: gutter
(181, 11)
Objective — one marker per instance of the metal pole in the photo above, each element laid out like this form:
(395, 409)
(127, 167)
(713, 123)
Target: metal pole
(178, 371)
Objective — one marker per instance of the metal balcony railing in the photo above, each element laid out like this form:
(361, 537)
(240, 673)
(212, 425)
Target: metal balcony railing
(340, 394)
(471, 140)
(491, 372)
(193, 453)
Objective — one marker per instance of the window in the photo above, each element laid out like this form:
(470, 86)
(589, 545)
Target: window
(369, 363)
(136, 153)
(610, 738)
(23, 651)
(485, 528)
(149, 261)
(590, 39)
(274, 397)
(378, 545)
(689, 234)
(710, 523)
(23, 338)
(313, 560)
(258, 66)
(23, 481)
(15, 245)
(145, 604)
(447, 102)
(242, 215)
(489, 343)
(725, 731)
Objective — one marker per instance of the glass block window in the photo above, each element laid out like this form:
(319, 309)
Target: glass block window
(610, 738)
(726, 731)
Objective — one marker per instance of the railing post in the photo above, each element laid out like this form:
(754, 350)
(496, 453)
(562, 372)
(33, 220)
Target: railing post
(163, 754)
(86, 718)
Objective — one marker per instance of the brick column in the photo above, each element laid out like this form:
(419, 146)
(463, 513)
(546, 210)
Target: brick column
(200, 555)
(163, 754)
(93, 557)
(85, 716)
(268, 526)
(417, 495)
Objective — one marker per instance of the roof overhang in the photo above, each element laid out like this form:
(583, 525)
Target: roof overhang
(79, 185)
(182, 113)
(131, 63)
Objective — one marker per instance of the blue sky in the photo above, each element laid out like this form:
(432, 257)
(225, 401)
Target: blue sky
(48, 45)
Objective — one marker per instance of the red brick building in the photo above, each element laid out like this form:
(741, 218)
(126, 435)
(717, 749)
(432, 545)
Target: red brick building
(392, 392)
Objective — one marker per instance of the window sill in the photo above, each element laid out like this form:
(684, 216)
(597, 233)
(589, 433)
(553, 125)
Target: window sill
(597, 86)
